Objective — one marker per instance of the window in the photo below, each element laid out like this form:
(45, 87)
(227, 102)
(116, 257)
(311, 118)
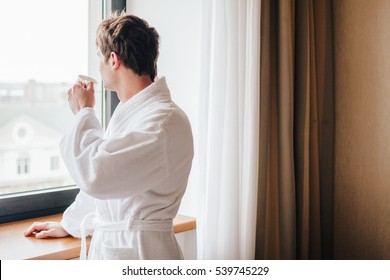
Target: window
(54, 163)
(46, 47)
(23, 165)
(44, 54)
(181, 69)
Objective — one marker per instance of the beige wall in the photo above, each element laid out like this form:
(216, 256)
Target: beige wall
(362, 168)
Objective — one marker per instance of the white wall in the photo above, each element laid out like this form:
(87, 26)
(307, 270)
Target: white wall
(178, 23)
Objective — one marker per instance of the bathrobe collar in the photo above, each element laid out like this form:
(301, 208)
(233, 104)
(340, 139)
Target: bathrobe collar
(158, 88)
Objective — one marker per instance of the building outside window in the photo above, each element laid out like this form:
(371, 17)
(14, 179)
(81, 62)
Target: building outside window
(47, 47)
(23, 165)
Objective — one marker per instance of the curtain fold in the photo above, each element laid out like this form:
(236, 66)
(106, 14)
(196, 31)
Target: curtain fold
(229, 121)
(294, 218)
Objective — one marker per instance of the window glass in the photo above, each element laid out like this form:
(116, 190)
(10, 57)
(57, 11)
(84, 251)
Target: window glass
(45, 44)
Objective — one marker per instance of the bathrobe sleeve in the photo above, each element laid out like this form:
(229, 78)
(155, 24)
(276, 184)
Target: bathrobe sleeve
(73, 216)
(124, 165)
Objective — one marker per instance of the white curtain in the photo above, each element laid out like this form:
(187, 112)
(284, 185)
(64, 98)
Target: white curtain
(229, 126)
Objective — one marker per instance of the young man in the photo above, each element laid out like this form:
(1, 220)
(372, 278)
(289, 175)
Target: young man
(132, 176)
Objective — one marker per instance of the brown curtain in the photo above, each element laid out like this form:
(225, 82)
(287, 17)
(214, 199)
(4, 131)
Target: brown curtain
(294, 219)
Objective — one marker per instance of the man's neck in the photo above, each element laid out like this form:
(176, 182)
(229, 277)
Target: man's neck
(131, 84)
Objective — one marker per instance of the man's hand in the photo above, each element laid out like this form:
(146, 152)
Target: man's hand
(46, 229)
(81, 96)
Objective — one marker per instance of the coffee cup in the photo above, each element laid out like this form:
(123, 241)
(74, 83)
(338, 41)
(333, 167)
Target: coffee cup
(86, 79)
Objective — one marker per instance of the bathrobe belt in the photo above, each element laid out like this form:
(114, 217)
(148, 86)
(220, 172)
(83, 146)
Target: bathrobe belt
(130, 224)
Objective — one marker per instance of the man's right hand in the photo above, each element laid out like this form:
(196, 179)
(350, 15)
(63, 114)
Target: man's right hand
(81, 95)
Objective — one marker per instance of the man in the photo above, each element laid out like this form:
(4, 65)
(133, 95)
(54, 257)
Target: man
(131, 177)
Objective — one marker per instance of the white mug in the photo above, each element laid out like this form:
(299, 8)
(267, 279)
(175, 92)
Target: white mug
(85, 79)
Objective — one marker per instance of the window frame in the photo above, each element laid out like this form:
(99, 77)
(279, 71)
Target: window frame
(25, 205)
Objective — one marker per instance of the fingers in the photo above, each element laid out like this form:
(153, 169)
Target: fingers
(89, 86)
(46, 229)
(82, 89)
(81, 95)
(72, 101)
(36, 227)
(77, 87)
(46, 233)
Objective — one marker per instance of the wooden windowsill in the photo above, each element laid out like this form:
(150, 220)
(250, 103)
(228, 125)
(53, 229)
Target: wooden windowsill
(15, 246)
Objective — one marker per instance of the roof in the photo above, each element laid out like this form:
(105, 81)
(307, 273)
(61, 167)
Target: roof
(25, 131)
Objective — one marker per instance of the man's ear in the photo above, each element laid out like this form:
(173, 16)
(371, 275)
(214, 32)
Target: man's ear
(115, 60)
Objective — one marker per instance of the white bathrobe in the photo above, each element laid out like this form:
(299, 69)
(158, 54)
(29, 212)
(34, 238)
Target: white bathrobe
(131, 178)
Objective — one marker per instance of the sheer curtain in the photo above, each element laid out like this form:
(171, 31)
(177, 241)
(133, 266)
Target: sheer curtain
(229, 129)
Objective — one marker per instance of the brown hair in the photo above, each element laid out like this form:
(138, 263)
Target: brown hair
(132, 39)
